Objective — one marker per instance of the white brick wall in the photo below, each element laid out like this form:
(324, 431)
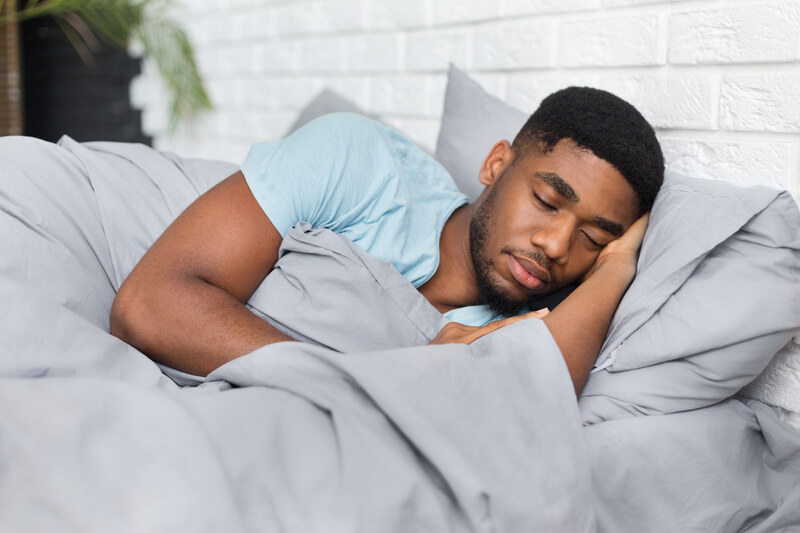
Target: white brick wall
(720, 79)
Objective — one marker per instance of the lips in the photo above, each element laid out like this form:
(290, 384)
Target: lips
(527, 272)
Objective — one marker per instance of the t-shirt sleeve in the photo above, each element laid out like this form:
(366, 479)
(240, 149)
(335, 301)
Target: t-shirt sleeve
(323, 173)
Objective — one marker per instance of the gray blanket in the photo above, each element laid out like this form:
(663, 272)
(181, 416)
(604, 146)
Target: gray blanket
(363, 427)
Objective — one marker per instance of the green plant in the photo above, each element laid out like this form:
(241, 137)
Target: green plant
(117, 22)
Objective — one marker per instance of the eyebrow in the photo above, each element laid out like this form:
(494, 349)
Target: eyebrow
(565, 189)
(610, 226)
(557, 182)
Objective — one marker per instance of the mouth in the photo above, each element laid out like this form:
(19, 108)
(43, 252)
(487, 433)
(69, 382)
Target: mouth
(527, 273)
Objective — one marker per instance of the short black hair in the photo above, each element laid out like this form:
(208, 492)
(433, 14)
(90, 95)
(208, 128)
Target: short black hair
(608, 126)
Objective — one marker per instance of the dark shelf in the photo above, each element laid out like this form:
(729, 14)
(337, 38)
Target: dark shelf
(62, 95)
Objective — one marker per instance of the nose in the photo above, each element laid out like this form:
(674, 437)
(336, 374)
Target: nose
(555, 239)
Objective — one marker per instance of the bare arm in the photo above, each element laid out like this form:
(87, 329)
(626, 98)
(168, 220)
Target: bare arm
(580, 323)
(183, 304)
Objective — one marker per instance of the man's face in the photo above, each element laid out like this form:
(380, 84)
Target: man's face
(542, 222)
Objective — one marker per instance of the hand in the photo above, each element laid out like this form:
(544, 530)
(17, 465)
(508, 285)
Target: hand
(455, 332)
(623, 252)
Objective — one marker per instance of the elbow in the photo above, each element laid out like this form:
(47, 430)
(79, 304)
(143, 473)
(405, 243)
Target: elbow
(126, 321)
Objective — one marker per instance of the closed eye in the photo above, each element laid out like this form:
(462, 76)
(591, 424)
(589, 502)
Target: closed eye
(549, 207)
(594, 242)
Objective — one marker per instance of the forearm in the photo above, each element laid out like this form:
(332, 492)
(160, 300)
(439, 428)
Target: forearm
(580, 323)
(188, 324)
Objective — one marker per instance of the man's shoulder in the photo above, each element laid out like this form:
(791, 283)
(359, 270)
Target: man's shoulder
(345, 125)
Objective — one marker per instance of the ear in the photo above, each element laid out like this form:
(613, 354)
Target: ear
(500, 157)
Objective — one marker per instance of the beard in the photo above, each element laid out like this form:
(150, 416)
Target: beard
(490, 292)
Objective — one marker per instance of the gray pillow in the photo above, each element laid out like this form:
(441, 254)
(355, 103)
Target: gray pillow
(325, 102)
(473, 121)
(716, 296)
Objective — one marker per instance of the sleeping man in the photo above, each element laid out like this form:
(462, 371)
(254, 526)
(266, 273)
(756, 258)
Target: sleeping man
(565, 202)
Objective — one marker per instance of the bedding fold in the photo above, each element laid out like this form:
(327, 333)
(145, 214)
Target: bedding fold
(716, 296)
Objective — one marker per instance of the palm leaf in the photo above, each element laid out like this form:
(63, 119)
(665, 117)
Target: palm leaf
(117, 22)
(169, 47)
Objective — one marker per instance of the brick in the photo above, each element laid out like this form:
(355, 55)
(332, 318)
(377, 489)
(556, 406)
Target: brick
(154, 121)
(686, 102)
(267, 126)
(415, 95)
(343, 15)
(228, 123)
(493, 83)
(148, 91)
(794, 183)
(226, 61)
(354, 88)
(199, 30)
(197, 6)
(224, 150)
(238, 4)
(278, 124)
(396, 15)
(373, 53)
(525, 91)
(218, 90)
(437, 85)
(139, 93)
(237, 98)
(236, 25)
(258, 24)
(298, 18)
(203, 128)
(255, 127)
(257, 58)
(322, 54)
(259, 128)
(281, 56)
(769, 102)
(733, 35)
(515, 8)
(458, 11)
(625, 3)
(610, 42)
(436, 49)
(521, 44)
(293, 93)
(262, 93)
(740, 162)
(238, 59)
(207, 60)
(214, 29)
(227, 5)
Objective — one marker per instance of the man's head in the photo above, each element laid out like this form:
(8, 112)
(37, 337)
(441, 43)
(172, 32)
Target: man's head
(581, 170)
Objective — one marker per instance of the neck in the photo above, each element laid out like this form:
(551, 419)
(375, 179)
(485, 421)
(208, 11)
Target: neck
(453, 284)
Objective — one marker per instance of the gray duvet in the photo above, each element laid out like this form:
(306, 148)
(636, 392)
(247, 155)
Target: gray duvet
(362, 427)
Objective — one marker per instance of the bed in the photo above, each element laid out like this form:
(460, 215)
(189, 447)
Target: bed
(688, 421)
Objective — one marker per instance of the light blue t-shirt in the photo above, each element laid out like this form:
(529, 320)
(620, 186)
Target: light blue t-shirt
(363, 180)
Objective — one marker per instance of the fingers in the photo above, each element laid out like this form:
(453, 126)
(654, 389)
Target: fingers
(540, 313)
(632, 240)
(454, 332)
(497, 324)
(629, 243)
(638, 228)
